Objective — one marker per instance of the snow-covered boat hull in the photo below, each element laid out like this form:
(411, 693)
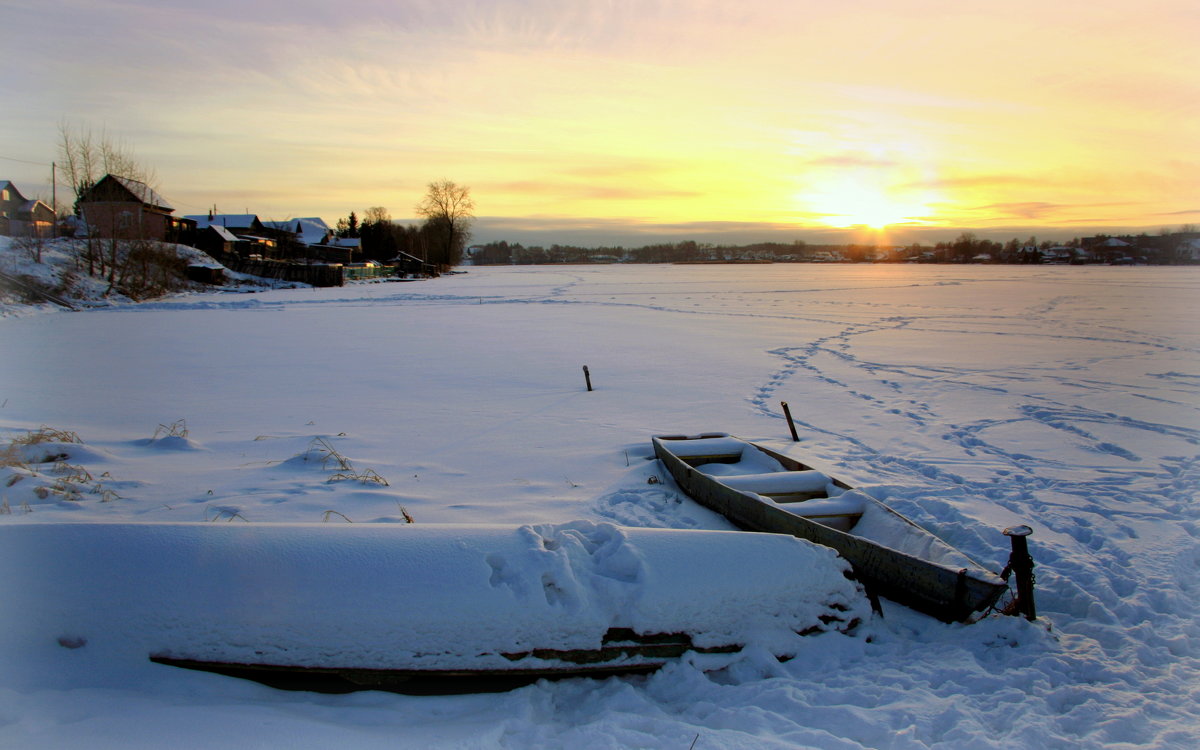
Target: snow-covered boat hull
(406, 607)
(771, 492)
(621, 652)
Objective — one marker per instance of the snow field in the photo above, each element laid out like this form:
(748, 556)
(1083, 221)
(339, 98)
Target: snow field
(969, 399)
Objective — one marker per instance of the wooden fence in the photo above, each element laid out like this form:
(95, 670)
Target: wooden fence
(317, 275)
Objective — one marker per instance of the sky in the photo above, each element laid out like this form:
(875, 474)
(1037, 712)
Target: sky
(626, 122)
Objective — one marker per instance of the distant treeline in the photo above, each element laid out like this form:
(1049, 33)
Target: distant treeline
(1166, 248)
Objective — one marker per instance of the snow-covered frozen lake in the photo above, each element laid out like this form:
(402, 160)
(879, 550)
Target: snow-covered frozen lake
(969, 398)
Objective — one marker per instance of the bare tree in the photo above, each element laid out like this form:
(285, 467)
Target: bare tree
(447, 209)
(131, 264)
(376, 215)
(87, 158)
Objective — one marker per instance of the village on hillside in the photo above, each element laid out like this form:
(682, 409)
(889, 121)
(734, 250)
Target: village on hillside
(120, 208)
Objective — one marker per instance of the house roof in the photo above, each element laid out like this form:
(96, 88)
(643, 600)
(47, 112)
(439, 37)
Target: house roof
(141, 191)
(29, 208)
(224, 220)
(310, 230)
(223, 233)
(294, 225)
(7, 185)
(405, 256)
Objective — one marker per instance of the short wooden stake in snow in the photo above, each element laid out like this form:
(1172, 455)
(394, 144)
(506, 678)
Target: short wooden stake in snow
(791, 425)
(1022, 565)
(588, 377)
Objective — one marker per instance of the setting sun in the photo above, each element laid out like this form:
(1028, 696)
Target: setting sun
(854, 200)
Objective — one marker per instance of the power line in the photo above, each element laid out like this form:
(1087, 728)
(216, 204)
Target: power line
(25, 161)
(69, 185)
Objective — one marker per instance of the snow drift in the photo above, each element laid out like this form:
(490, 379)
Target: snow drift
(409, 597)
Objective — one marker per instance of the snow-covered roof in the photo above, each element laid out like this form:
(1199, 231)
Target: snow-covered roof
(309, 230)
(315, 221)
(224, 233)
(224, 220)
(312, 230)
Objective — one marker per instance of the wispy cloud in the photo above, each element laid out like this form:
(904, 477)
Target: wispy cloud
(979, 181)
(852, 161)
(575, 191)
(1023, 210)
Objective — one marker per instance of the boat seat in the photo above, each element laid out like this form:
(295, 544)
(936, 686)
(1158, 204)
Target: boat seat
(716, 449)
(841, 512)
(783, 486)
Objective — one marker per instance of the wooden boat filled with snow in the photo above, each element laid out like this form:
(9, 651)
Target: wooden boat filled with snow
(418, 608)
(762, 490)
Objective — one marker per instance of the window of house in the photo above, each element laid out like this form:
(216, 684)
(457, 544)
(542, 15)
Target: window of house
(4, 194)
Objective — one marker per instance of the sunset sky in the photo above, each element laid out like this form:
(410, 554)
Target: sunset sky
(599, 122)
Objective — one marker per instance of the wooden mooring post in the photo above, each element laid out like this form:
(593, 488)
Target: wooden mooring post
(791, 425)
(1021, 564)
(587, 376)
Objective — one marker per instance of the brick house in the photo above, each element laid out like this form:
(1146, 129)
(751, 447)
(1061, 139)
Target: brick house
(21, 217)
(124, 208)
(127, 209)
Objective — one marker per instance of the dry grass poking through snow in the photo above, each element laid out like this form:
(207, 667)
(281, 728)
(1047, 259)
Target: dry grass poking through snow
(177, 429)
(66, 481)
(321, 450)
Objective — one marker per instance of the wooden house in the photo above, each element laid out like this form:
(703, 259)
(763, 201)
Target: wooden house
(216, 240)
(410, 265)
(237, 224)
(21, 217)
(248, 234)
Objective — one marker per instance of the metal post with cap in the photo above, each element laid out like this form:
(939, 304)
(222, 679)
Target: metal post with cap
(1021, 564)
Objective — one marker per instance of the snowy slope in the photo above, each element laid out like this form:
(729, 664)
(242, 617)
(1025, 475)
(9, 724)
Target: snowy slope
(968, 398)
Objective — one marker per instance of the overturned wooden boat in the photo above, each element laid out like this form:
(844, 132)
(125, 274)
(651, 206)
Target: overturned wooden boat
(762, 490)
(415, 608)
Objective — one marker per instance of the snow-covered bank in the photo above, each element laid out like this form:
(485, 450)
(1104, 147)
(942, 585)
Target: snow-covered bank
(420, 596)
(45, 275)
(968, 398)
